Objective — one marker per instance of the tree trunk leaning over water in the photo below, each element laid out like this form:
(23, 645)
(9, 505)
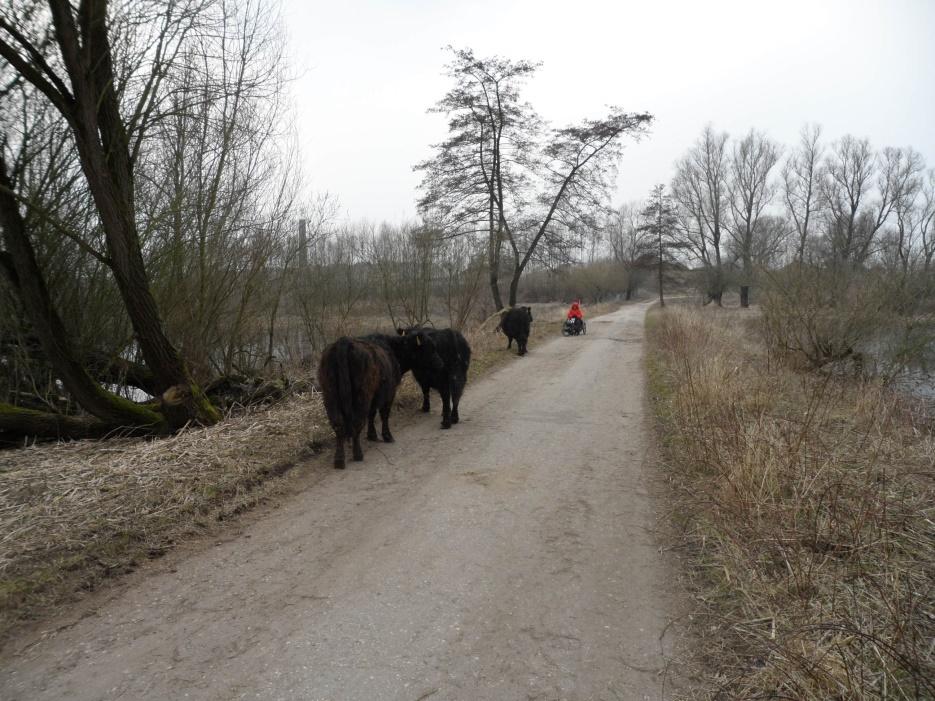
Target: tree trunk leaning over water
(88, 101)
(28, 283)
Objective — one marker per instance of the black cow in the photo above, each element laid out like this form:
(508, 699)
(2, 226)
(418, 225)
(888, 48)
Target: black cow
(359, 376)
(416, 351)
(449, 380)
(515, 324)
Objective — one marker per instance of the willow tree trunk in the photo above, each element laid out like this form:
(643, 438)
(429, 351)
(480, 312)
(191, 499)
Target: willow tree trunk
(17, 423)
(29, 285)
(747, 277)
(493, 263)
(514, 286)
(93, 113)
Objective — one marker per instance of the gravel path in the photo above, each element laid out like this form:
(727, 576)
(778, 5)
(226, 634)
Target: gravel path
(508, 558)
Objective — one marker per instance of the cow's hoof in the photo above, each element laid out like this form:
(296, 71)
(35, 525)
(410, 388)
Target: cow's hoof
(446, 425)
(359, 458)
(339, 465)
(425, 409)
(372, 436)
(388, 438)
(454, 418)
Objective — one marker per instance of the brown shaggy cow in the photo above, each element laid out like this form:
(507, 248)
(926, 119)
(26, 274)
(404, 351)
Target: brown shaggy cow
(357, 378)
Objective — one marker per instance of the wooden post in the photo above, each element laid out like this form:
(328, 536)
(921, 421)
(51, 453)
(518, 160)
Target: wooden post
(662, 301)
(303, 245)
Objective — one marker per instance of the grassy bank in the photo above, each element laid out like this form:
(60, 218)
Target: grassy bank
(74, 515)
(805, 505)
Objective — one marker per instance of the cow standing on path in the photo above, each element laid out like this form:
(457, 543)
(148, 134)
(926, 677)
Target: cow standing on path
(358, 378)
(449, 380)
(515, 324)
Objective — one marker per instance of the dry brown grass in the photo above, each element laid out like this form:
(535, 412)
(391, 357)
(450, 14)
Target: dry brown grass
(806, 507)
(73, 515)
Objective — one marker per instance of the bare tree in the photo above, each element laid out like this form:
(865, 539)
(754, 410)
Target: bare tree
(630, 245)
(659, 223)
(25, 277)
(925, 221)
(335, 285)
(580, 166)
(500, 167)
(906, 168)
(749, 193)
(404, 259)
(700, 187)
(853, 215)
(801, 186)
(470, 185)
(462, 265)
(79, 81)
(182, 151)
(220, 183)
(49, 211)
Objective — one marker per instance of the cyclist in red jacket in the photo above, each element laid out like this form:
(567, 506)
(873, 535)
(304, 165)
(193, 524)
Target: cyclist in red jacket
(576, 314)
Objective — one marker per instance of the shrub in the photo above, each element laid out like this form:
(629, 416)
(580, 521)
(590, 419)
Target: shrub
(805, 505)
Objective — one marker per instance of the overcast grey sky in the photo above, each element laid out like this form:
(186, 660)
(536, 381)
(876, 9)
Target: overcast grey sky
(367, 70)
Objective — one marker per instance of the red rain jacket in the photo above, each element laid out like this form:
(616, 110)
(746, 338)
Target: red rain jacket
(575, 311)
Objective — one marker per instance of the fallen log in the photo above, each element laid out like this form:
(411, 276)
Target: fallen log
(18, 424)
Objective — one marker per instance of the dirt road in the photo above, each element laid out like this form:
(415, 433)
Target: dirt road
(508, 558)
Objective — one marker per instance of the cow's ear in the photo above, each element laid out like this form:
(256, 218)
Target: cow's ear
(400, 330)
(418, 340)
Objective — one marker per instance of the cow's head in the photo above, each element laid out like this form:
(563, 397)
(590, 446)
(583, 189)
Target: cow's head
(420, 348)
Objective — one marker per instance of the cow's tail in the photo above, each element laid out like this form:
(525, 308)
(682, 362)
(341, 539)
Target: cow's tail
(343, 381)
(498, 314)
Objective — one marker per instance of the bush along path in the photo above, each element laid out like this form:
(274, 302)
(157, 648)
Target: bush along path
(805, 505)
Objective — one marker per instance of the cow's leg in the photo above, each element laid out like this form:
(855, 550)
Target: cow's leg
(339, 439)
(371, 428)
(445, 391)
(425, 398)
(456, 389)
(509, 342)
(357, 451)
(385, 422)
(521, 346)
